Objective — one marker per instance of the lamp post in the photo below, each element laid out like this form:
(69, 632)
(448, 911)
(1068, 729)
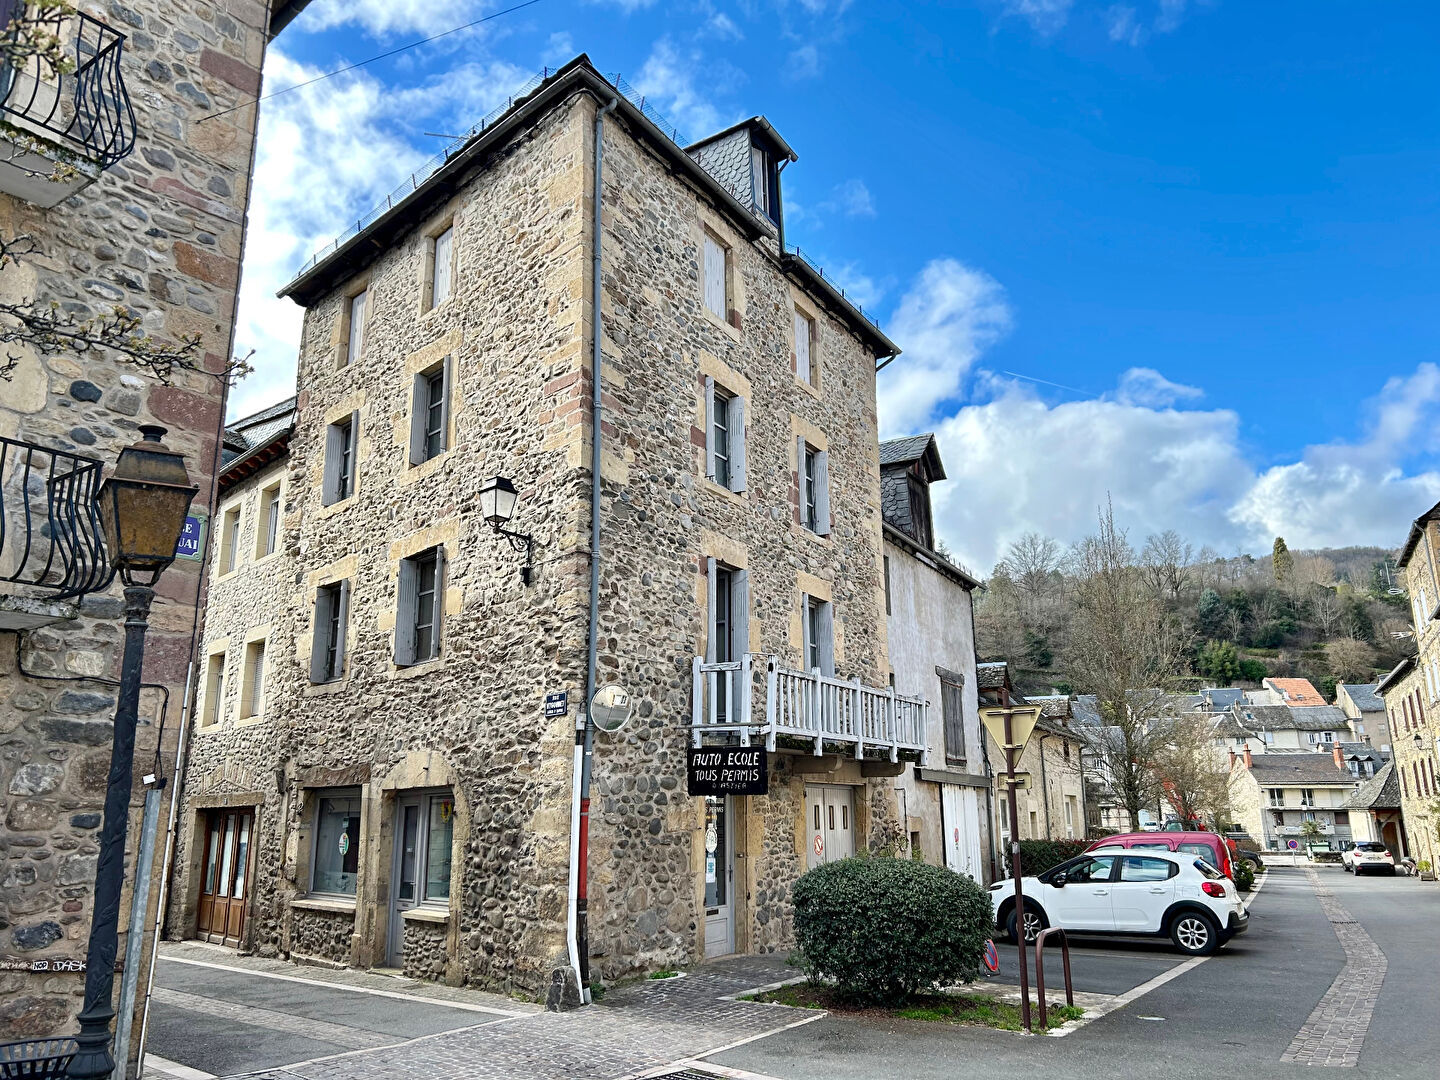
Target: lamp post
(497, 506)
(142, 509)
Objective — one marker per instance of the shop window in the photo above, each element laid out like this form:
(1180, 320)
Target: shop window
(335, 856)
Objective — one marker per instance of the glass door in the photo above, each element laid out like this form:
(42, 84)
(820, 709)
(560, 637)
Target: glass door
(220, 914)
(719, 877)
(403, 892)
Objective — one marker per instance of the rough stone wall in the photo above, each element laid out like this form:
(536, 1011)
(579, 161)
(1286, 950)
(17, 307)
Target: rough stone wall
(1414, 806)
(160, 233)
(424, 950)
(321, 935)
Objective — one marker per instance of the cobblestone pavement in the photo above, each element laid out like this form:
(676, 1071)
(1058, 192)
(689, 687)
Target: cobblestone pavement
(633, 1030)
(1335, 1032)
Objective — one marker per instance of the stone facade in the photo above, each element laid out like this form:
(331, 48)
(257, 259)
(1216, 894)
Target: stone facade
(1415, 715)
(159, 233)
(1403, 691)
(471, 723)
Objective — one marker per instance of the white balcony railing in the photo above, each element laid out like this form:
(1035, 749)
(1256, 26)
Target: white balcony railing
(1326, 829)
(804, 705)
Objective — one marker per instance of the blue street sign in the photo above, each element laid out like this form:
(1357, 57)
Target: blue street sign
(192, 537)
(557, 704)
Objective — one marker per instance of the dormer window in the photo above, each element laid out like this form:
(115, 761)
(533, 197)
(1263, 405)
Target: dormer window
(760, 179)
(920, 509)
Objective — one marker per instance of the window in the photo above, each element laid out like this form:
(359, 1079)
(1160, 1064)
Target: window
(355, 338)
(1307, 796)
(818, 624)
(920, 510)
(887, 584)
(1325, 737)
(814, 476)
(1342, 817)
(724, 437)
(430, 412)
(421, 607)
(338, 482)
(1277, 796)
(327, 650)
(1405, 783)
(252, 686)
(952, 707)
(439, 840)
(1141, 868)
(335, 855)
(1094, 868)
(807, 364)
(1004, 815)
(1205, 851)
(230, 540)
(214, 690)
(267, 529)
(1070, 816)
(441, 260)
(760, 179)
(717, 265)
(728, 601)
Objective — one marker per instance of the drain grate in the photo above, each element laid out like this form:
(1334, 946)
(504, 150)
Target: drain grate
(687, 1074)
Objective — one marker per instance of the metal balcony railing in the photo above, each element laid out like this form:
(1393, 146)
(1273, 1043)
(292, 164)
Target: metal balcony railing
(86, 109)
(50, 532)
(805, 706)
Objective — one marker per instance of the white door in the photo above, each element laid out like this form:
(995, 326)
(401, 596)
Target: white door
(1084, 901)
(830, 817)
(1143, 893)
(960, 822)
(719, 877)
(404, 893)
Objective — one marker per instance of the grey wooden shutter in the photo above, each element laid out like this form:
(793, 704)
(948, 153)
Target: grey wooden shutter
(406, 606)
(419, 400)
(714, 277)
(802, 492)
(822, 492)
(805, 631)
(709, 427)
(447, 387)
(826, 619)
(437, 616)
(710, 612)
(740, 613)
(334, 446)
(736, 422)
(802, 346)
(342, 628)
(354, 450)
(320, 640)
(952, 704)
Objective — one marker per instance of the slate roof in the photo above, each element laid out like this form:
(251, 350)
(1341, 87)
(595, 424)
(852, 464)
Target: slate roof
(991, 676)
(727, 159)
(1417, 530)
(1364, 696)
(1285, 718)
(1085, 709)
(904, 450)
(1277, 770)
(895, 500)
(1397, 674)
(1379, 792)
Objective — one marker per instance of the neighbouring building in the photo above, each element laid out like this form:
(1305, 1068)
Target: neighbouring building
(1297, 693)
(1375, 812)
(930, 617)
(127, 171)
(390, 707)
(1274, 795)
(1365, 710)
(1412, 733)
(1417, 736)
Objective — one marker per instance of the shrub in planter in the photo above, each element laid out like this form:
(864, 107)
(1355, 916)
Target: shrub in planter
(885, 929)
(1037, 856)
(1244, 875)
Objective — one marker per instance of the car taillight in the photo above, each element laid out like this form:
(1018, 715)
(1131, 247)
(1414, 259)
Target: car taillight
(1212, 888)
(1385, 854)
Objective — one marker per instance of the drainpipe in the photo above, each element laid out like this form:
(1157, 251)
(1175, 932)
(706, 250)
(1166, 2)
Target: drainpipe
(780, 225)
(577, 929)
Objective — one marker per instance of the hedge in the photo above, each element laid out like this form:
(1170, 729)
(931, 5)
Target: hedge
(884, 929)
(1037, 856)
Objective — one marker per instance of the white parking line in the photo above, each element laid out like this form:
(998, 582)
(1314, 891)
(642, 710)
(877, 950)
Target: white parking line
(464, 1006)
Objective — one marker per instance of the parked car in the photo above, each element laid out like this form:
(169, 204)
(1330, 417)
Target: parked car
(1123, 892)
(1368, 857)
(1178, 825)
(1211, 847)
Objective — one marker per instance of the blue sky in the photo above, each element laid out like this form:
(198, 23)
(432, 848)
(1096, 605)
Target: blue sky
(1175, 252)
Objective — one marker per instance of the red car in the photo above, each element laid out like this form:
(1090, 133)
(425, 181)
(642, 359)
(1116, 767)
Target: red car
(1212, 847)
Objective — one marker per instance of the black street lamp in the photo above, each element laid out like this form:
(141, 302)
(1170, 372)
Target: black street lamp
(142, 508)
(497, 506)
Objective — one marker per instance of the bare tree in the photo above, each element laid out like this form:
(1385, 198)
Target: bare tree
(1127, 650)
(1326, 608)
(1192, 773)
(1350, 660)
(1168, 561)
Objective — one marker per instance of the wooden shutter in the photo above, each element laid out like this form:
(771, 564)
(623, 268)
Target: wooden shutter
(440, 291)
(406, 606)
(802, 347)
(320, 639)
(334, 447)
(342, 628)
(709, 427)
(801, 491)
(437, 615)
(736, 422)
(354, 450)
(710, 612)
(822, 492)
(805, 632)
(740, 611)
(419, 398)
(952, 705)
(826, 619)
(447, 387)
(714, 277)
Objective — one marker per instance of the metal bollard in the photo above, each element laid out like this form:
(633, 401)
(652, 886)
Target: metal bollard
(1040, 967)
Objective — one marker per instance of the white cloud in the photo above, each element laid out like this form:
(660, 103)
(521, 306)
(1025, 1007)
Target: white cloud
(1172, 14)
(1046, 16)
(559, 49)
(804, 63)
(722, 27)
(950, 315)
(1123, 24)
(383, 17)
(668, 77)
(1148, 388)
(852, 198)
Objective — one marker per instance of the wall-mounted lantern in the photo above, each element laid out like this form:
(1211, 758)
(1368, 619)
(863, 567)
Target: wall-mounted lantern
(497, 506)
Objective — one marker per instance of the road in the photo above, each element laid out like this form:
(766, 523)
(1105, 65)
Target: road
(1321, 942)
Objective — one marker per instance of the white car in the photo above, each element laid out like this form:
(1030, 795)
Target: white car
(1368, 857)
(1162, 893)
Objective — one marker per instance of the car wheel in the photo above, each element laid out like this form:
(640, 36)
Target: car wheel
(1034, 923)
(1195, 934)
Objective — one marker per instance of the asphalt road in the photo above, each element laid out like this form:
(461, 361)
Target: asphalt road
(1234, 1014)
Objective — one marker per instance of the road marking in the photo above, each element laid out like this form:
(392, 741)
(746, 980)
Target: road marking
(698, 1060)
(351, 1038)
(1334, 1033)
(464, 1006)
(155, 1065)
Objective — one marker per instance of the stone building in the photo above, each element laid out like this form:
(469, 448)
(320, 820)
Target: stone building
(930, 618)
(1275, 795)
(1365, 710)
(1412, 734)
(406, 766)
(1416, 736)
(136, 200)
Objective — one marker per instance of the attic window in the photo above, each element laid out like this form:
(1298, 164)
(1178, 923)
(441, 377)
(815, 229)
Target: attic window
(760, 179)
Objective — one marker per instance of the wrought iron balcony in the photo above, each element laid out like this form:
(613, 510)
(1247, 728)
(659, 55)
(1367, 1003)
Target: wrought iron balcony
(65, 114)
(806, 709)
(51, 538)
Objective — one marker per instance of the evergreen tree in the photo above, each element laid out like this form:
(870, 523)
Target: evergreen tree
(1284, 562)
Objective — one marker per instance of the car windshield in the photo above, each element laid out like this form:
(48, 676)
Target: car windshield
(1370, 845)
(1207, 870)
(1090, 868)
(1152, 847)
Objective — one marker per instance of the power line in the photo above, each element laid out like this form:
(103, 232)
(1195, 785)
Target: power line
(362, 63)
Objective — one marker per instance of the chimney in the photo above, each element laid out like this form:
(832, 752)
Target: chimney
(1248, 761)
(1339, 757)
(1232, 760)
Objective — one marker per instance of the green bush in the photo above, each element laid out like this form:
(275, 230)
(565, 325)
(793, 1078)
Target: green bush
(1037, 856)
(885, 929)
(1325, 856)
(1244, 875)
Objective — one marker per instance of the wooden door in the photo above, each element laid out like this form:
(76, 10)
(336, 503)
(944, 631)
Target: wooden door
(225, 879)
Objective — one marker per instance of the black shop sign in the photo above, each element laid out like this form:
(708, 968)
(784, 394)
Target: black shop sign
(728, 770)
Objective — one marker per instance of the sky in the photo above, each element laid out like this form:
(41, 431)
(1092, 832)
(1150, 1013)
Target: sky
(1179, 254)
